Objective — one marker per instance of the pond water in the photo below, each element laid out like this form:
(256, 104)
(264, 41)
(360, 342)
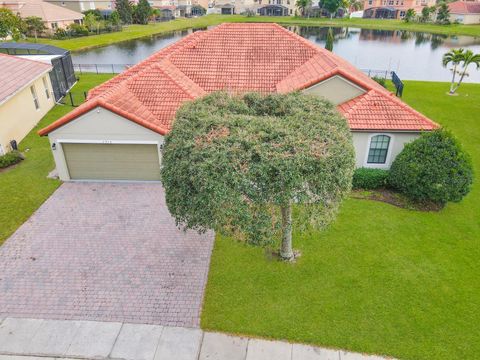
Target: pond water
(412, 55)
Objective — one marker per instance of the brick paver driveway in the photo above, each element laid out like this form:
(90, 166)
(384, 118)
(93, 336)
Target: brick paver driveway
(104, 251)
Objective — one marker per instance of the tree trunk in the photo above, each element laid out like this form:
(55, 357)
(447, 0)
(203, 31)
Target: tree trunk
(286, 252)
(452, 85)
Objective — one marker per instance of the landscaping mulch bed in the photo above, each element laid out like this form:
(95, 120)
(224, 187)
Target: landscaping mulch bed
(394, 198)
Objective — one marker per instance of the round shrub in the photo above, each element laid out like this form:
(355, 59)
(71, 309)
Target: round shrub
(433, 168)
(369, 179)
(10, 158)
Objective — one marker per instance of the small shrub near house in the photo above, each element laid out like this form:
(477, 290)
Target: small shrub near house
(380, 80)
(369, 179)
(433, 168)
(10, 158)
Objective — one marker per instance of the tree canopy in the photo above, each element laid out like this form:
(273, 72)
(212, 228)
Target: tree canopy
(143, 11)
(238, 163)
(10, 24)
(124, 10)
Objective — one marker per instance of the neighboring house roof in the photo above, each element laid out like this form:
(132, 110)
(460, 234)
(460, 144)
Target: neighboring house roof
(48, 12)
(464, 7)
(17, 73)
(240, 58)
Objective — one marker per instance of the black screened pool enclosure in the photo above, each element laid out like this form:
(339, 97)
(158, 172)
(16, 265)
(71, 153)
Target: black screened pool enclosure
(62, 75)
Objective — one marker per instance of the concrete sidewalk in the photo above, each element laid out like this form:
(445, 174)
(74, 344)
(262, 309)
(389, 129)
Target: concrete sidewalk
(25, 339)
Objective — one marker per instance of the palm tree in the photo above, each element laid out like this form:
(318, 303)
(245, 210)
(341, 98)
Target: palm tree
(454, 56)
(468, 58)
(457, 57)
(303, 5)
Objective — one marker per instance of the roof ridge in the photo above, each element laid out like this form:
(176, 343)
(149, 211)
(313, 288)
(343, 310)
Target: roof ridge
(143, 65)
(26, 60)
(167, 67)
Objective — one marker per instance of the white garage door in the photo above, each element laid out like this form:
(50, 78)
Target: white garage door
(112, 161)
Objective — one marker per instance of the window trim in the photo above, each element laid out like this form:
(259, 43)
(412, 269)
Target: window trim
(387, 162)
(45, 86)
(36, 101)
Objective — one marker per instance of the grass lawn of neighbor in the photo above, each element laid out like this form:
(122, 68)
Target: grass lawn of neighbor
(381, 279)
(137, 31)
(25, 187)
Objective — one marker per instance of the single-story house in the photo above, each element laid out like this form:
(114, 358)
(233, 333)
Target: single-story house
(25, 97)
(118, 132)
(53, 16)
(465, 12)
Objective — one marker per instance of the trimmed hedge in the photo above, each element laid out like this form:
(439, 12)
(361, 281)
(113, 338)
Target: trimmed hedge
(369, 179)
(432, 168)
(10, 158)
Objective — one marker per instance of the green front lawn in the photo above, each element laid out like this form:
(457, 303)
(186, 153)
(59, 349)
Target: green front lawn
(380, 280)
(137, 31)
(25, 187)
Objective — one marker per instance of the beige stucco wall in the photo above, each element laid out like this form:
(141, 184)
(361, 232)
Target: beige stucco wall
(101, 126)
(336, 89)
(18, 114)
(85, 5)
(361, 142)
(465, 19)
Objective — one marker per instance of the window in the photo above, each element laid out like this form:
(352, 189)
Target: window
(35, 97)
(402, 14)
(377, 153)
(370, 2)
(45, 86)
(54, 25)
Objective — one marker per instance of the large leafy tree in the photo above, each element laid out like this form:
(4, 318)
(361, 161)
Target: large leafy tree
(238, 164)
(460, 59)
(331, 6)
(35, 26)
(443, 14)
(143, 11)
(11, 24)
(124, 10)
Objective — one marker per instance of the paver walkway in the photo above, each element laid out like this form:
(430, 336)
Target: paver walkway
(107, 252)
(113, 340)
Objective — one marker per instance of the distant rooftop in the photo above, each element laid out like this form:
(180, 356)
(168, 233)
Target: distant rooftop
(17, 73)
(14, 48)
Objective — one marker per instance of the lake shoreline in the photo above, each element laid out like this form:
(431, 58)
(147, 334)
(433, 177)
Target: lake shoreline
(133, 32)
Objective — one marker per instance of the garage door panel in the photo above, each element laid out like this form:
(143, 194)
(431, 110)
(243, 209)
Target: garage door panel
(112, 161)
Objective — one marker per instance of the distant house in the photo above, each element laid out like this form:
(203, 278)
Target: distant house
(84, 5)
(118, 132)
(259, 7)
(25, 97)
(393, 9)
(53, 16)
(62, 75)
(465, 12)
(172, 8)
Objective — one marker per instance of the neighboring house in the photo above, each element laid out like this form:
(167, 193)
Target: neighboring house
(393, 9)
(202, 3)
(62, 76)
(465, 12)
(53, 16)
(84, 5)
(25, 97)
(259, 7)
(172, 8)
(118, 132)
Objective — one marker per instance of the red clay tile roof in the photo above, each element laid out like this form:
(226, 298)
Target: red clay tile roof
(464, 7)
(16, 73)
(240, 58)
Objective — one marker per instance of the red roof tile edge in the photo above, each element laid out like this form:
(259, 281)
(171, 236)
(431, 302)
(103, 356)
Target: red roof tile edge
(160, 58)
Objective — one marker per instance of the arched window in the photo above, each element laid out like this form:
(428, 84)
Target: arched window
(377, 153)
